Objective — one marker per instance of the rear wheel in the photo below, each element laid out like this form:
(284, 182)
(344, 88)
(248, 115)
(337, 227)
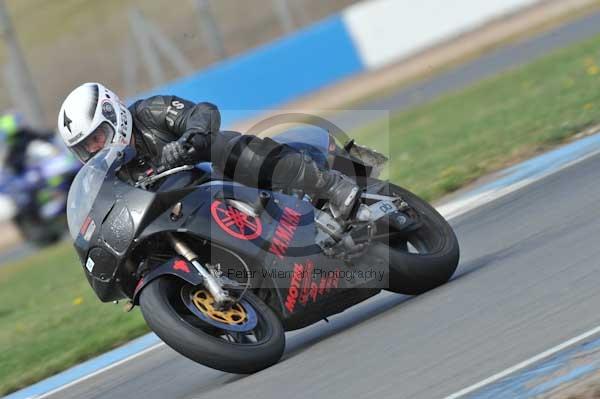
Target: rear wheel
(244, 339)
(422, 259)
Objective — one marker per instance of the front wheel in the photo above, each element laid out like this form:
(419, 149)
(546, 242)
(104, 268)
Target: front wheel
(244, 339)
(424, 258)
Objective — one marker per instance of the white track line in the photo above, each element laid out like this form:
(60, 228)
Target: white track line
(102, 370)
(524, 364)
(467, 203)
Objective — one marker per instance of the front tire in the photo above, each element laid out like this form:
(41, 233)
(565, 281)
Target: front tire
(165, 313)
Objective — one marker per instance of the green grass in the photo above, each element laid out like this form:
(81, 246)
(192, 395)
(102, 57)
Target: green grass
(438, 147)
(50, 318)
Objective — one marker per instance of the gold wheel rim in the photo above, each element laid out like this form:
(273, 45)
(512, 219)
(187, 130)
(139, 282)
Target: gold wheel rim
(204, 301)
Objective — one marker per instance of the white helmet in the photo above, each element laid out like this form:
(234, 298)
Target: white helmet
(92, 117)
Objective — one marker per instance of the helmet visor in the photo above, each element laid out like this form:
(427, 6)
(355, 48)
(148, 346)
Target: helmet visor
(93, 143)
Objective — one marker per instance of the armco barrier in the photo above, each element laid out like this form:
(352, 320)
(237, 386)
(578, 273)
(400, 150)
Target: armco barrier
(367, 35)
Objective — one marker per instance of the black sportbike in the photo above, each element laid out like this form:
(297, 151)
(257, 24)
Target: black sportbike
(221, 270)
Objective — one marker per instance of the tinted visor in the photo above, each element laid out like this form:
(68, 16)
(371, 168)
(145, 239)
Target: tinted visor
(93, 143)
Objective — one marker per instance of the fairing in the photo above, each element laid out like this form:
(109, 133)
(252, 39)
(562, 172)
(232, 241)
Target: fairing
(88, 182)
(111, 220)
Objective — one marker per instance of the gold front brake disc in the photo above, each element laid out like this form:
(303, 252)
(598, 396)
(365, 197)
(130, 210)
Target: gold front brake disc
(204, 301)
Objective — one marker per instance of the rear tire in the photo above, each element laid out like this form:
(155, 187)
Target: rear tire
(164, 313)
(414, 273)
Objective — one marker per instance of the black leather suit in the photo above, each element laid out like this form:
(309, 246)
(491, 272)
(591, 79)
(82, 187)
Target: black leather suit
(250, 160)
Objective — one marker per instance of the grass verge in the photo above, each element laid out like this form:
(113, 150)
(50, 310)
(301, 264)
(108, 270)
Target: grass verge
(443, 145)
(50, 318)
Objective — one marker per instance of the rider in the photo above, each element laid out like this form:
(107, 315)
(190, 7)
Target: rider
(168, 131)
(17, 136)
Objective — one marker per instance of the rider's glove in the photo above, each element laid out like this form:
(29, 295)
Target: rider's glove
(177, 153)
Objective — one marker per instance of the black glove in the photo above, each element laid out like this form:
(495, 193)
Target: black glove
(177, 153)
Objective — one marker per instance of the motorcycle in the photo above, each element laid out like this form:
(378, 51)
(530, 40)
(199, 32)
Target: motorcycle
(221, 270)
(36, 199)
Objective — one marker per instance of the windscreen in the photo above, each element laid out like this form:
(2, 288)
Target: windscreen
(87, 184)
(311, 139)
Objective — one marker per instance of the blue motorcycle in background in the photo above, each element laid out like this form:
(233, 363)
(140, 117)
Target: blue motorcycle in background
(35, 200)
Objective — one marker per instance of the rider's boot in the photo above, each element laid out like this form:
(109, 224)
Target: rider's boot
(341, 192)
(332, 185)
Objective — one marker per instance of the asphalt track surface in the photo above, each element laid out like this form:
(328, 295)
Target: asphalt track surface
(528, 280)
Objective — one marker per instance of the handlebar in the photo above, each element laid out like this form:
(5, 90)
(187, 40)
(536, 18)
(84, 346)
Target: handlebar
(159, 173)
(160, 169)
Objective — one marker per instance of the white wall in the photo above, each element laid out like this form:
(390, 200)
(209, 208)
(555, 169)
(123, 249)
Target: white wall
(387, 30)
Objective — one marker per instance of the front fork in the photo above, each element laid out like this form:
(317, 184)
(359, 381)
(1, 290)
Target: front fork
(221, 296)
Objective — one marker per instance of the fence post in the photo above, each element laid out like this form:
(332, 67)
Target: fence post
(27, 95)
(210, 29)
(168, 49)
(129, 60)
(284, 12)
(142, 39)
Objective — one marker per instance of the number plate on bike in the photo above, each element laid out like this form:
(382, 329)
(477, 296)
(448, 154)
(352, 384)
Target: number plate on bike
(381, 208)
